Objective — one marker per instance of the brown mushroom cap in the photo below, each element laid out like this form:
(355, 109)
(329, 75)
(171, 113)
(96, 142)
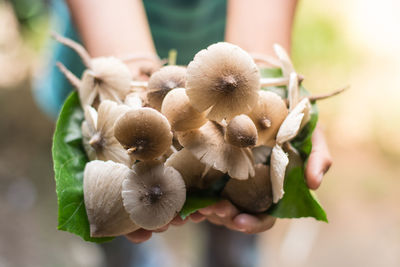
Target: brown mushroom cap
(225, 78)
(102, 185)
(254, 194)
(180, 113)
(208, 145)
(98, 133)
(109, 79)
(268, 115)
(241, 132)
(145, 133)
(162, 81)
(195, 173)
(153, 195)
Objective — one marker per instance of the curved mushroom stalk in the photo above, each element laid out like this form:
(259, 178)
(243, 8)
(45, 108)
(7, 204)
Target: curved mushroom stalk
(163, 81)
(195, 173)
(133, 100)
(145, 133)
(222, 79)
(98, 133)
(208, 145)
(102, 185)
(268, 114)
(153, 194)
(251, 195)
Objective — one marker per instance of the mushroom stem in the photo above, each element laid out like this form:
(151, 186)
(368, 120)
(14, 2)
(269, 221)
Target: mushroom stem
(274, 81)
(96, 141)
(266, 59)
(141, 84)
(172, 55)
(78, 48)
(266, 123)
(328, 95)
(75, 81)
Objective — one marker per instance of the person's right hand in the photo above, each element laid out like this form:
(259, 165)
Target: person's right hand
(142, 235)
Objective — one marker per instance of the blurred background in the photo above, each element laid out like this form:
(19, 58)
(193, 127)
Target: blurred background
(335, 43)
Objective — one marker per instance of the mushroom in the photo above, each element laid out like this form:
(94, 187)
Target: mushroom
(109, 78)
(162, 81)
(98, 133)
(195, 173)
(279, 162)
(179, 111)
(252, 195)
(106, 77)
(145, 133)
(207, 144)
(268, 115)
(102, 185)
(133, 100)
(241, 132)
(290, 127)
(153, 195)
(225, 78)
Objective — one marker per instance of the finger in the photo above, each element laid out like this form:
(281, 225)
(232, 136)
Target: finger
(161, 229)
(319, 161)
(225, 209)
(197, 217)
(139, 236)
(253, 224)
(177, 221)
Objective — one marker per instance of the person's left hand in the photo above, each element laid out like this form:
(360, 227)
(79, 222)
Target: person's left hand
(142, 235)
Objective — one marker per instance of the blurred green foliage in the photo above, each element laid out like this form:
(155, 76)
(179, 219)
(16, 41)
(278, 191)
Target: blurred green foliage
(32, 16)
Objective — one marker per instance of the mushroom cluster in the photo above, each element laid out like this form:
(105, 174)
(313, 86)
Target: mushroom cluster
(151, 142)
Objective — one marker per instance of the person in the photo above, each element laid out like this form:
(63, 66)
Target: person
(153, 27)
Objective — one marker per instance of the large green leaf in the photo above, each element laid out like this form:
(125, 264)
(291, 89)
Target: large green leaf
(196, 202)
(298, 201)
(69, 162)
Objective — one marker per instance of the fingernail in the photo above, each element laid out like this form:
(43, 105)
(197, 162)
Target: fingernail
(221, 214)
(320, 176)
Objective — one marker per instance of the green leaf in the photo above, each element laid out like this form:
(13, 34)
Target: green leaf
(196, 202)
(298, 201)
(69, 161)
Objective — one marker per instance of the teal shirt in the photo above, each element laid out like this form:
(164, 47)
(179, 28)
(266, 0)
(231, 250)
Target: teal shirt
(185, 25)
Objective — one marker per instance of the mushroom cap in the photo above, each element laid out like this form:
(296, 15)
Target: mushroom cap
(241, 132)
(225, 78)
(208, 145)
(153, 195)
(98, 139)
(109, 79)
(102, 185)
(144, 132)
(268, 115)
(254, 194)
(195, 173)
(180, 112)
(162, 81)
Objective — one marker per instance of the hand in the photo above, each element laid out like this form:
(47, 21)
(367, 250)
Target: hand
(143, 235)
(319, 161)
(225, 213)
